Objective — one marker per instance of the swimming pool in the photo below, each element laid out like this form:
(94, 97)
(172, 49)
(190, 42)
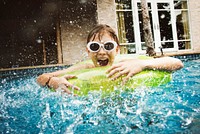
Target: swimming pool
(25, 107)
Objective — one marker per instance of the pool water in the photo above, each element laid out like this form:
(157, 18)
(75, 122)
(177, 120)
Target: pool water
(25, 107)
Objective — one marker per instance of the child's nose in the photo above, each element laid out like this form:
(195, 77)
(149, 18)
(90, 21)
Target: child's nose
(102, 51)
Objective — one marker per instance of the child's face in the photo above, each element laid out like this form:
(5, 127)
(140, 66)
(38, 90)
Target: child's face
(103, 57)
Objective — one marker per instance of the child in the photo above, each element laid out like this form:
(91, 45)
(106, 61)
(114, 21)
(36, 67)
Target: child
(102, 48)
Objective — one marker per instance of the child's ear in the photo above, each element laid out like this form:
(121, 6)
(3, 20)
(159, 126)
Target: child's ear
(87, 50)
(118, 49)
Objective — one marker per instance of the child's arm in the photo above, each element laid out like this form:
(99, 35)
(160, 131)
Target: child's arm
(44, 79)
(134, 66)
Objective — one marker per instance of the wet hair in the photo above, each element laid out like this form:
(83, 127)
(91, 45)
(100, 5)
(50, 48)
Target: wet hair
(99, 30)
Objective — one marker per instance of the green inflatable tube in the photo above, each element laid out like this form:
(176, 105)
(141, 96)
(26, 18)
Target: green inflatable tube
(95, 80)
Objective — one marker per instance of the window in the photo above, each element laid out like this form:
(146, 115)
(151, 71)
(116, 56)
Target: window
(182, 24)
(125, 26)
(169, 24)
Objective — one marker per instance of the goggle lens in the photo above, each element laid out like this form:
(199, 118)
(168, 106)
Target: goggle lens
(94, 46)
(109, 46)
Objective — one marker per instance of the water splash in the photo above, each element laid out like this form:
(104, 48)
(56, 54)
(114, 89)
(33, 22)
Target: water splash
(170, 108)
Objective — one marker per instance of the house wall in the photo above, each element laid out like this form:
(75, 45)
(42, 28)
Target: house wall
(194, 8)
(76, 21)
(74, 42)
(107, 13)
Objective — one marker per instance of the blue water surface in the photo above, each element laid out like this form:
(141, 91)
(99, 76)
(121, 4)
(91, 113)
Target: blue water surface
(25, 107)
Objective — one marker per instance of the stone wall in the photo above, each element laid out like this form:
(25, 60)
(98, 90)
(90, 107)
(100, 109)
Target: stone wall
(73, 43)
(107, 13)
(194, 12)
(76, 22)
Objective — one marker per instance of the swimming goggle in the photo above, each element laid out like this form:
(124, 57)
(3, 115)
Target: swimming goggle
(96, 46)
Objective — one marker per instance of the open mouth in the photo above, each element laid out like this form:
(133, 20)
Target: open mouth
(103, 62)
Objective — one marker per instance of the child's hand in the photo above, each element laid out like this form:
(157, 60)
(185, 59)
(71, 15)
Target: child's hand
(44, 79)
(56, 82)
(127, 68)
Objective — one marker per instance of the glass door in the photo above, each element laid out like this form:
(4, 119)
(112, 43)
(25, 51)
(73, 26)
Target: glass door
(166, 25)
(163, 25)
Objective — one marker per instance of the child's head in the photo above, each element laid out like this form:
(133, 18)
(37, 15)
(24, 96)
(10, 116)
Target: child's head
(99, 31)
(103, 45)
